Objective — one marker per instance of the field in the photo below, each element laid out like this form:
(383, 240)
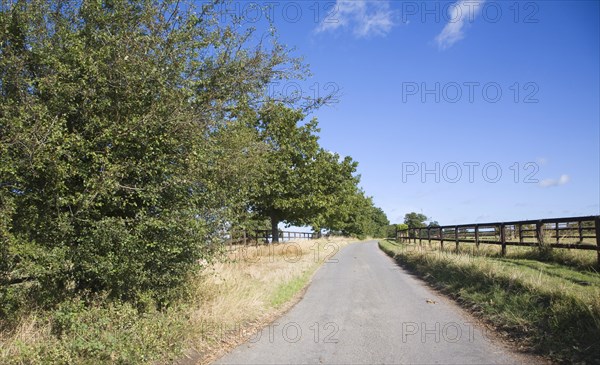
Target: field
(546, 302)
(225, 302)
(574, 233)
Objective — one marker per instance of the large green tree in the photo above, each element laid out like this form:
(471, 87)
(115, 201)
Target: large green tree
(301, 184)
(118, 137)
(336, 183)
(284, 192)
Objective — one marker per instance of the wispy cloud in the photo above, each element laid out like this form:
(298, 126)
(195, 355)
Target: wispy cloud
(459, 13)
(562, 180)
(363, 17)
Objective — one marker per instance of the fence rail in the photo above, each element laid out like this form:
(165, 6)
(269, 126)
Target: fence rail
(265, 236)
(581, 233)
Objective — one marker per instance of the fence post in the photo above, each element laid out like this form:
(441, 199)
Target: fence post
(420, 235)
(441, 238)
(520, 233)
(456, 237)
(429, 235)
(477, 236)
(539, 232)
(580, 231)
(503, 239)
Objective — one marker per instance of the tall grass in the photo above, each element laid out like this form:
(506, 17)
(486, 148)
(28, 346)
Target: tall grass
(223, 304)
(549, 308)
(586, 260)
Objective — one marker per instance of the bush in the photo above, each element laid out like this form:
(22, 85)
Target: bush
(110, 175)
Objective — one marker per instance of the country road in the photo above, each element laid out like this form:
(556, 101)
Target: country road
(364, 309)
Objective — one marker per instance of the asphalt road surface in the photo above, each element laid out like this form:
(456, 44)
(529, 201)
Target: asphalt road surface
(362, 308)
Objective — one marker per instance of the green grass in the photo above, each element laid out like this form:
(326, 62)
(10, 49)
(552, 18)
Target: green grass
(287, 290)
(549, 308)
(113, 333)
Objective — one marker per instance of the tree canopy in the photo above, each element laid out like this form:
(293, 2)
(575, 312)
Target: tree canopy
(415, 220)
(133, 133)
(301, 183)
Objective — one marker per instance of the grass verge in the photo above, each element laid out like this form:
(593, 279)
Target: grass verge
(286, 291)
(225, 303)
(547, 308)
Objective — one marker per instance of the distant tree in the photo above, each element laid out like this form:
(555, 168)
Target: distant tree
(393, 228)
(415, 220)
(364, 218)
(402, 226)
(301, 183)
(380, 222)
(337, 184)
(433, 224)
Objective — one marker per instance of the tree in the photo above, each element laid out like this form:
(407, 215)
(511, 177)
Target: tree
(337, 183)
(364, 218)
(301, 184)
(116, 127)
(380, 222)
(415, 220)
(284, 191)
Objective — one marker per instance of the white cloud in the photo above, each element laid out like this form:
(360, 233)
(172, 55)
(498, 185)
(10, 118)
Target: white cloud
(459, 13)
(365, 18)
(562, 180)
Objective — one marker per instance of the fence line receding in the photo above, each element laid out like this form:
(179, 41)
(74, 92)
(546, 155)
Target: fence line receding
(580, 233)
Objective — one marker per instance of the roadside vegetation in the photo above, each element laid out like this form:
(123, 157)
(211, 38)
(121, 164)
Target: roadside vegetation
(135, 136)
(224, 304)
(546, 302)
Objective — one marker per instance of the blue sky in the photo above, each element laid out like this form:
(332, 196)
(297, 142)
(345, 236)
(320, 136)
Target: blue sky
(475, 87)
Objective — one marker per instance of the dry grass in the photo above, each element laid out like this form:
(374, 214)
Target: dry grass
(240, 292)
(30, 330)
(576, 258)
(226, 303)
(521, 265)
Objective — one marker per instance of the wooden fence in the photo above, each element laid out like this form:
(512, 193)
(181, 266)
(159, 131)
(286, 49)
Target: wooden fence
(265, 236)
(581, 233)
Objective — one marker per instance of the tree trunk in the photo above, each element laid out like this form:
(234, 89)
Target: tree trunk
(317, 232)
(274, 230)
